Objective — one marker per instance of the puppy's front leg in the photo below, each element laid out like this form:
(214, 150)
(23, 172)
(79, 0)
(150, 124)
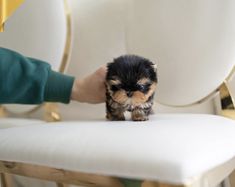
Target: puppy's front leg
(115, 116)
(139, 115)
(114, 113)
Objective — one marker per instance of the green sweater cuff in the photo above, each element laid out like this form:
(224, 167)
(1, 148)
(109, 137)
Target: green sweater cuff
(58, 87)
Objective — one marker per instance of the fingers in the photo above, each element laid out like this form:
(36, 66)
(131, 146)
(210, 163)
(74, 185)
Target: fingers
(91, 89)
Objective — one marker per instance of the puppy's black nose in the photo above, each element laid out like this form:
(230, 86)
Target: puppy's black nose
(129, 94)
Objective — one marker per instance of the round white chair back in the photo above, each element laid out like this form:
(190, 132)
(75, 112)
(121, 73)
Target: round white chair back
(37, 29)
(193, 42)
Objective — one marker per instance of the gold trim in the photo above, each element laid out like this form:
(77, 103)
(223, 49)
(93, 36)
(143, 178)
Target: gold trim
(227, 101)
(63, 65)
(3, 181)
(6, 180)
(225, 93)
(68, 42)
(232, 178)
(158, 184)
(6, 10)
(212, 177)
(230, 74)
(3, 112)
(51, 112)
(61, 185)
(2, 27)
(8, 112)
(58, 175)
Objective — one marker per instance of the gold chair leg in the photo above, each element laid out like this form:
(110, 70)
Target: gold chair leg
(61, 185)
(157, 184)
(232, 179)
(168, 185)
(2, 178)
(6, 180)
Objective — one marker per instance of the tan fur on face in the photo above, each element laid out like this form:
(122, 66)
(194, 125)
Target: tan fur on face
(120, 96)
(114, 82)
(139, 97)
(143, 81)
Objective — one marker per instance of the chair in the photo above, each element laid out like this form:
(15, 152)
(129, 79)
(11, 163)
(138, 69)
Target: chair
(193, 43)
(43, 36)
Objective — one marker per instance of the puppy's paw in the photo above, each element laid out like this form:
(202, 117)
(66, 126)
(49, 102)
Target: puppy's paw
(140, 118)
(139, 115)
(111, 117)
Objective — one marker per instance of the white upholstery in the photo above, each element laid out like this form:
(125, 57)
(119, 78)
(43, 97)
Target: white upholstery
(18, 122)
(175, 148)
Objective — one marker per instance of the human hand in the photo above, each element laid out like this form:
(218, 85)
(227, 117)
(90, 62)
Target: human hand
(90, 89)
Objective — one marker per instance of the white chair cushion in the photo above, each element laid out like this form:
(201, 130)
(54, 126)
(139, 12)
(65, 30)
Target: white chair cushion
(168, 147)
(18, 122)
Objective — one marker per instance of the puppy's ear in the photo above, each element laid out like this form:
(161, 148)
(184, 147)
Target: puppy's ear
(108, 64)
(154, 66)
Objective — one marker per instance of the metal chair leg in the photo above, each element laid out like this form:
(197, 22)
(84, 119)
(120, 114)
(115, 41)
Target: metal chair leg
(6, 180)
(61, 185)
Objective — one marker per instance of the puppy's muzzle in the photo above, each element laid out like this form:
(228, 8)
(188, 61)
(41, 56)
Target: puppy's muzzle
(129, 93)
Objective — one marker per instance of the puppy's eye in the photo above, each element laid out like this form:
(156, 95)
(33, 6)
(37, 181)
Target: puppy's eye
(148, 85)
(141, 87)
(115, 87)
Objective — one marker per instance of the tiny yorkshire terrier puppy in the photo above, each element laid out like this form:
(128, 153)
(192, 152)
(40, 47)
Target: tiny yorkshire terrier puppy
(130, 85)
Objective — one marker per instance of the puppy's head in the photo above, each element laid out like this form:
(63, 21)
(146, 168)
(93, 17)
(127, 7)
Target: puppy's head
(131, 79)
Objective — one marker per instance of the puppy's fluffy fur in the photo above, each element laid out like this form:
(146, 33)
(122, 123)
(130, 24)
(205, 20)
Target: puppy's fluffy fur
(130, 85)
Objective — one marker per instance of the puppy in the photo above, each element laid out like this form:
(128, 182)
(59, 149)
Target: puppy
(130, 86)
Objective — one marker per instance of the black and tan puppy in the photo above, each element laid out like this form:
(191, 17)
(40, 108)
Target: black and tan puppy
(130, 85)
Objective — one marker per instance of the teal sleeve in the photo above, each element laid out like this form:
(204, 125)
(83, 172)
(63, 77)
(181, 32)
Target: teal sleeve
(26, 80)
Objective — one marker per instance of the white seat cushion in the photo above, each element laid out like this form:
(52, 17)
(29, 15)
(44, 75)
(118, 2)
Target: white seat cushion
(18, 122)
(168, 147)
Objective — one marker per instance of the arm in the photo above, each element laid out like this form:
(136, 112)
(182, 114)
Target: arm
(30, 81)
